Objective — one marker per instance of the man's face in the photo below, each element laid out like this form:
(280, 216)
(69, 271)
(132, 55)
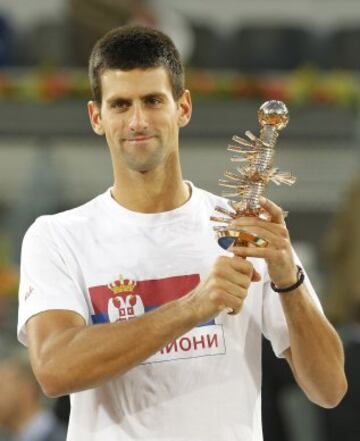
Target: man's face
(139, 117)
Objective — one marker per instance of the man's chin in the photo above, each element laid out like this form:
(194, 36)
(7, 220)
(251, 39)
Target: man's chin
(145, 165)
(142, 167)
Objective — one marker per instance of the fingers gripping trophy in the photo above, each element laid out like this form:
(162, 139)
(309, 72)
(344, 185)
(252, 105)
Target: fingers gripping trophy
(249, 182)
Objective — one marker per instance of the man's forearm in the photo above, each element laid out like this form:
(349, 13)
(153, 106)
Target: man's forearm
(68, 356)
(83, 357)
(316, 351)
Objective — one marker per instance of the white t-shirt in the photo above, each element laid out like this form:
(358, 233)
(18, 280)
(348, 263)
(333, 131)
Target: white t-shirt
(108, 263)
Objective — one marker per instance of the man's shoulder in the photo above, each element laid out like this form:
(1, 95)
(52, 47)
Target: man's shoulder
(73, 218)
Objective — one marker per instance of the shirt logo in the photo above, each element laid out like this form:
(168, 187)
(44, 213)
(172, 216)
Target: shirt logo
(28, 293)
(126, 299)
(124, 306)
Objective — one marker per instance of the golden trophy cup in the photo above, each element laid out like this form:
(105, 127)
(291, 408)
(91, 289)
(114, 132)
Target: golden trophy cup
(250, 180)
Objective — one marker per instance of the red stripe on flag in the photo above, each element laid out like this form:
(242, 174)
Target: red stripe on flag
(152, 292)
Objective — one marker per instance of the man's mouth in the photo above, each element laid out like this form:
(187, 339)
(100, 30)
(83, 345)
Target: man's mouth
(139, 138)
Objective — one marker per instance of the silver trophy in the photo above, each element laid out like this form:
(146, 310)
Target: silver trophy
(248, 183)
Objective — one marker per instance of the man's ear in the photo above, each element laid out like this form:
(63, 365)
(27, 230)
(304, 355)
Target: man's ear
(185, 107)
(95, 117)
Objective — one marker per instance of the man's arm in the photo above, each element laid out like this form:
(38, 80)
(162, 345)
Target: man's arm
(68, 356)
(315, 354)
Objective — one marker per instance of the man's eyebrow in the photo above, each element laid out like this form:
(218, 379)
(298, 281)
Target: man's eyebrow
(154, 94)
(118, 98)
(114, 99)
(157, 95)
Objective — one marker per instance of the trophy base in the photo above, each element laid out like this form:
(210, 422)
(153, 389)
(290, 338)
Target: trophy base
(240, 238)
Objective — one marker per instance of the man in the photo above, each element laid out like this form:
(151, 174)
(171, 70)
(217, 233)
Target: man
(172, 364)
(22, 416)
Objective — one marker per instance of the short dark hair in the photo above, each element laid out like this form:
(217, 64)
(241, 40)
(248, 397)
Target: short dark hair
(135, 47)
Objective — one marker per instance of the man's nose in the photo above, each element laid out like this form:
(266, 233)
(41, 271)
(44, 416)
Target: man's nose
(138, 119)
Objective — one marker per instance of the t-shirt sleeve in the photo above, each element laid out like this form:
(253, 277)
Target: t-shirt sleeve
(46, 282)
(274, 322)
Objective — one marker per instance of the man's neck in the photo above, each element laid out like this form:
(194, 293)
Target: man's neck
(151, 192)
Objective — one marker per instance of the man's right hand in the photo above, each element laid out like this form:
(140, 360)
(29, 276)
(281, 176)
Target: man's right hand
(225, 288)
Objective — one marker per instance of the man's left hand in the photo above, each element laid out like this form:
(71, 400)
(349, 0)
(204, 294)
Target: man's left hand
(278, 254)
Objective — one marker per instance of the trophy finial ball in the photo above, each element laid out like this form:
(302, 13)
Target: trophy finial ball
(274, 113)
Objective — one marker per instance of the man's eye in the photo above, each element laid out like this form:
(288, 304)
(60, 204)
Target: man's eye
(120, 105)
(153, 100)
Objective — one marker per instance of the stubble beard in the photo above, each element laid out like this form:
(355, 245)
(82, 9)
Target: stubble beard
(143, 161)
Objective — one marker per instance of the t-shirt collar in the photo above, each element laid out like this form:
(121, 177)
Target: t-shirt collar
(164, 217)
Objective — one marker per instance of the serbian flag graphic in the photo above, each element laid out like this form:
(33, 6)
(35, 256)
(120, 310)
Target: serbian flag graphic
(126, 299)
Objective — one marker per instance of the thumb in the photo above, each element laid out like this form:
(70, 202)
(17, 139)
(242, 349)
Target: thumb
(256, 277)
